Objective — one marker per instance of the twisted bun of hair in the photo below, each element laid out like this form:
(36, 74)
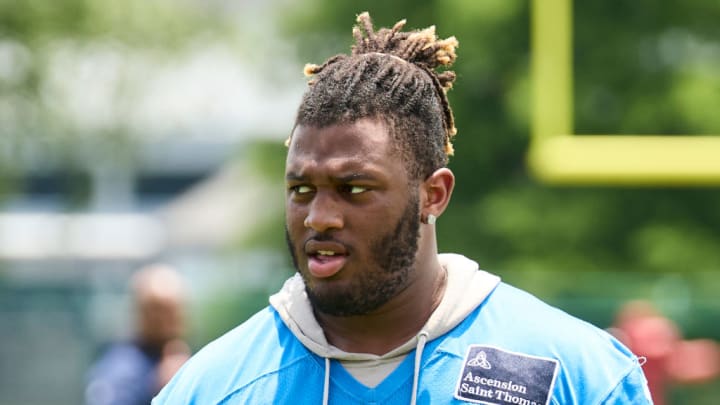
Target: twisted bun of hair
(421, 48)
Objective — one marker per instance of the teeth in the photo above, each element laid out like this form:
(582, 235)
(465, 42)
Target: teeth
(326, 253)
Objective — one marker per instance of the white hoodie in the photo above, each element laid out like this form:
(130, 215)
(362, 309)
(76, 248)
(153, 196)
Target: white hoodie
(467, 287)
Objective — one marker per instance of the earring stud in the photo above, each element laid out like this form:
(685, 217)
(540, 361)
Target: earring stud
(431, 219)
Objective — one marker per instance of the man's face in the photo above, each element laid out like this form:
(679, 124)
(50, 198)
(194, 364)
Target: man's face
(352, 216)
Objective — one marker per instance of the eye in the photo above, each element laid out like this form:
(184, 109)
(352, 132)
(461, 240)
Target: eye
(350, 189)
(357, 189)
(301, 189)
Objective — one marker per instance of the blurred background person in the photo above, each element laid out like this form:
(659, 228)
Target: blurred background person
(670, 359)
(132, 372)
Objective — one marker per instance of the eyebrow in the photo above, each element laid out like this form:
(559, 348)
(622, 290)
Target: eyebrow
(341, 179)
(355, 176)
(294, 177)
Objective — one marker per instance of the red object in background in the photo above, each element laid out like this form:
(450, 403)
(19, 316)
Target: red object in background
(670, 359)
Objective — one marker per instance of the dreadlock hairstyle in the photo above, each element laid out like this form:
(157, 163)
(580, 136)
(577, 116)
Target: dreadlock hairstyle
(389, 75)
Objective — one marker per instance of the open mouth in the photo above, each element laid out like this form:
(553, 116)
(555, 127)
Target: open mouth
(325, 259)
(326, 255)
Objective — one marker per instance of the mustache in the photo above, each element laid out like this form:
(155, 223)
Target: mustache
(325, 237)
(322, 237)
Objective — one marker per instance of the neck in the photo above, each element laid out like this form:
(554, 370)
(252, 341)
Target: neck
(396, 321)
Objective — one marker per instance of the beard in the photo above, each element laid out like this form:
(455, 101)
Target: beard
(384, 277)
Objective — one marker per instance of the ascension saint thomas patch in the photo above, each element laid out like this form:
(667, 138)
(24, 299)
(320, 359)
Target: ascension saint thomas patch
(498, 377)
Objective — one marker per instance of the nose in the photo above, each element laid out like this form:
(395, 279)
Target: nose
(324, 214)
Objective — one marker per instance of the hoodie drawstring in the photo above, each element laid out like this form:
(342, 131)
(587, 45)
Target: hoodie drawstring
(422, 339)
(326, 385)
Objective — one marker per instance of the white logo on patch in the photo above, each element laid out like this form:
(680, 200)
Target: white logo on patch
(480, 360)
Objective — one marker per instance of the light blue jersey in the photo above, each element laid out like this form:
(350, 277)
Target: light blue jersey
(512, 349)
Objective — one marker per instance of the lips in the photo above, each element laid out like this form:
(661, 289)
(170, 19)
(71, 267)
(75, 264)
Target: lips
(325, 259)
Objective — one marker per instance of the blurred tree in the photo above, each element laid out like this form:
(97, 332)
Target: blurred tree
(88, 40)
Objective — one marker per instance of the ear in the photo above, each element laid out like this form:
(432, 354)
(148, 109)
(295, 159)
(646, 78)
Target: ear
(436, 191)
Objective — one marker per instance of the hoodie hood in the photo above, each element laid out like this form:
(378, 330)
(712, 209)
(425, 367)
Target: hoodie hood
(467, 287)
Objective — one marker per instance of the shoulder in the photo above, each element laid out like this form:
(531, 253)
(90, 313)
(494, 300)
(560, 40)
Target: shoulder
(259, 347)
(590, 364)
(529, 319)
(532, 324)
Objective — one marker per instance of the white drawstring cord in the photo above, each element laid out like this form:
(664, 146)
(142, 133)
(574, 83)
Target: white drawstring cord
(326, 386)
(422, 339)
